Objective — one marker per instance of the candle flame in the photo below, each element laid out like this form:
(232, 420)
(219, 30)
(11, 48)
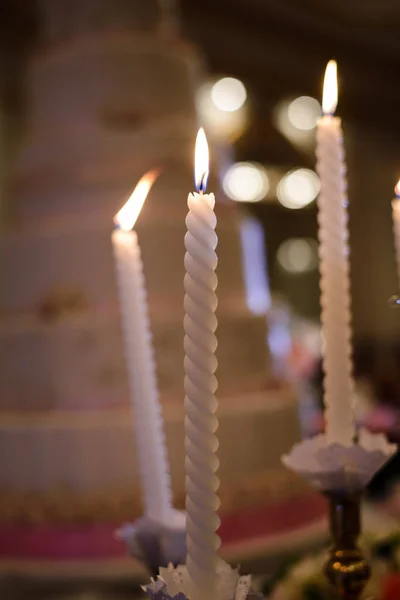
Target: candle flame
(127, 216)
(330, 93)
(397, 189)
(201, 161)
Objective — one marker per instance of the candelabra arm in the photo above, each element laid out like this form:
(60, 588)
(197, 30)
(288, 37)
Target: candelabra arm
(346, 568)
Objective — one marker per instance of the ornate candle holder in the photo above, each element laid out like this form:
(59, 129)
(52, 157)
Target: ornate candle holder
(341, 473)
(176, 584)
(346, 568)
(156, 544)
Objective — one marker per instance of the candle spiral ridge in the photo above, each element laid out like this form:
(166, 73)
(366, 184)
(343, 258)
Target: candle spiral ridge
(200, 403)
(335, 282)
(142, 378)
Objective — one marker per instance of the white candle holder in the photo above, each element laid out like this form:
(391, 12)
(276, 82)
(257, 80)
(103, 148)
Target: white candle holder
(174, 583)
(156, 544)
(334, 466)
(341, 472)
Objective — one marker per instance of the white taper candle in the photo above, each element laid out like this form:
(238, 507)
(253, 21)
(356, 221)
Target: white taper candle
(396, 226)
(148, 421)
(200, 343)
(334, 269)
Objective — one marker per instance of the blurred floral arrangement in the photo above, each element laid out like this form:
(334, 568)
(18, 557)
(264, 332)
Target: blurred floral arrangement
(303, 579)
(295, 343)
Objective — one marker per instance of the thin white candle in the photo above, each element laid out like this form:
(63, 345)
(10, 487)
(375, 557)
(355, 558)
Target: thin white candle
(334, 269)
(396, 225)
(201, 423)
(148, 422)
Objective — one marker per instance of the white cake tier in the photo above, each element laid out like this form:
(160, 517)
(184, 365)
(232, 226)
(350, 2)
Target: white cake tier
(95, 451)
(105, 110)
(78, 362)
(77, 256)
(93, 76)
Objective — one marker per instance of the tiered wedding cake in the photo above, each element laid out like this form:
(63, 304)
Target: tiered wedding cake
(112, 100)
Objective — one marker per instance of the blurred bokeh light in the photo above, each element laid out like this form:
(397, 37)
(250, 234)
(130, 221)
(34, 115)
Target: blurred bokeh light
(296, 119)
(222, 108)
(228, 94)
(246, 182)
(298, 255)
(303, 112)
(298, 188)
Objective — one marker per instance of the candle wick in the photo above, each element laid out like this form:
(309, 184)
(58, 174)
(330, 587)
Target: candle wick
(201, 187)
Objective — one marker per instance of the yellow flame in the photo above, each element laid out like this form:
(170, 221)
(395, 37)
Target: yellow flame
(127, 216)
(397, 189)
(201, 161)
(330, 93)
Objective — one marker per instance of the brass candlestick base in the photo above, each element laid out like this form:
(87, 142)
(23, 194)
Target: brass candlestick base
(346, 568)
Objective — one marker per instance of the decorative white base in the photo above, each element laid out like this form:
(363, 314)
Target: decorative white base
(176, 582)
(333, 466)
(156, 544)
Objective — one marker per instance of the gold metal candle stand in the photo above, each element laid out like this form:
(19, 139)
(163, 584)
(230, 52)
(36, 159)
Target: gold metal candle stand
(341, 472)
(346, 568)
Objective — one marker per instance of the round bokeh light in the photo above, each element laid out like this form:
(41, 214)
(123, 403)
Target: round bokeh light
(220, 124)
(246, 182)
(298, 188)
(228, 94)
(303, 112)
(298, 255)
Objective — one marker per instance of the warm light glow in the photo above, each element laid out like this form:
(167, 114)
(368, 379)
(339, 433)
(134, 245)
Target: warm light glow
(303, 113)
(201, 161)
(228, 94)
(126, 218)
(296, 119)
(330, 93)
(222, 125)
(298, 188)
(246, 182)
(397, 189)
(298, 255)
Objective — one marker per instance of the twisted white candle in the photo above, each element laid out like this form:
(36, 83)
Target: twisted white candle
(396, 225)
(334, 272)
(148, 422)
(200, 403)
